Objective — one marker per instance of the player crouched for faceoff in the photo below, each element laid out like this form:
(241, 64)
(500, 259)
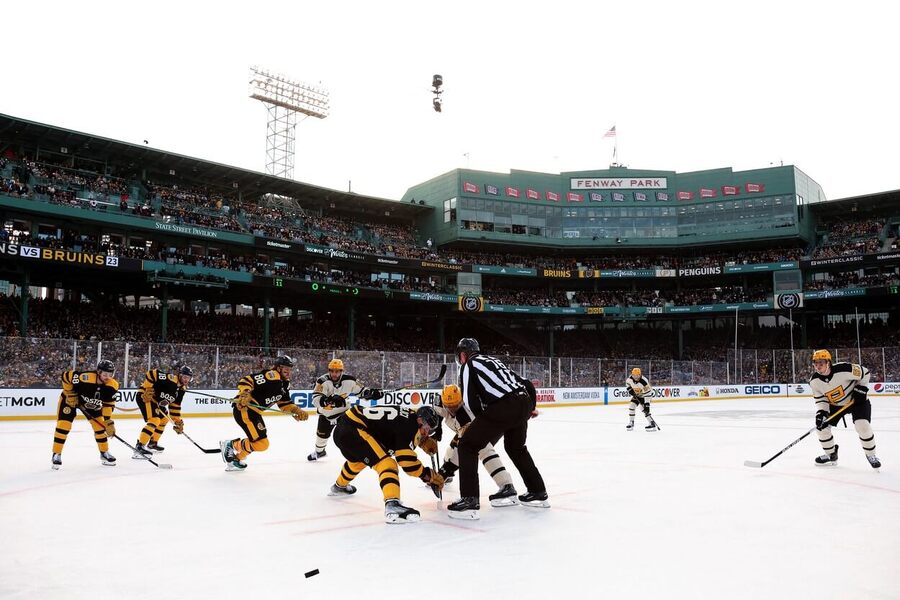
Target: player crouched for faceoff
(640, 390)
(380, 437)
(834, 386)
(161, 396)
(451, 401)
(330, 399)
(95, 393)
(257, 392)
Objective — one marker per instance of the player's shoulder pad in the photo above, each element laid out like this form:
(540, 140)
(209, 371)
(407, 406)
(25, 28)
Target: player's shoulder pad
(171, 377)
(842, 367)
(348, 378)
(112, 383)
(322, 379)
(816, 376)
(152, 375)
(88, 377)
(272, 375)
(67, 376)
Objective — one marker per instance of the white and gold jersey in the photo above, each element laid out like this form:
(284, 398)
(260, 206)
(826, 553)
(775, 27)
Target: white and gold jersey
(837, 387)
(640, 387)
(325, 388)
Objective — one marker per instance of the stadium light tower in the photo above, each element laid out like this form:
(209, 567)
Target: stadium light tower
(284, 99)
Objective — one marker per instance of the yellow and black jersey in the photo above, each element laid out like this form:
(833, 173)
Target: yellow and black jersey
(344, 387)
(844, 381)
(394, 427)
(92, 393)
(165, 390)
(265, 389)
(639, 387)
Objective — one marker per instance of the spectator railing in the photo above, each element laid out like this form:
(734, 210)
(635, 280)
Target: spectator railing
(39, 363)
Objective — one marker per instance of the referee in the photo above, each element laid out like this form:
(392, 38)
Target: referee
(498, 404)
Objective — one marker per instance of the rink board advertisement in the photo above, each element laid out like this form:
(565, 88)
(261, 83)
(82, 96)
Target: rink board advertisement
(41, 403)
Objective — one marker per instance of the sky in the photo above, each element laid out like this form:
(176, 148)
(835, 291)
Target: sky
(527, 85)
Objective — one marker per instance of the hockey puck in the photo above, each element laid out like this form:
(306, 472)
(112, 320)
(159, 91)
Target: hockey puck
(309, 574)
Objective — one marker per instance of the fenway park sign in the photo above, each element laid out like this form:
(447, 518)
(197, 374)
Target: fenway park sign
(617, 183)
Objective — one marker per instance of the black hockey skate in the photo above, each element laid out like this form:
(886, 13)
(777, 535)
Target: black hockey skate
(873, 460)
(140, 452)
(828, 459)
(230, 458)
(346, 490)
(107, 459)
(316, 455)
(56, 462)
(630, 426)
(651, 426)
(505, 496)
(535, 499)
(154, 447)
(394, 512)
(464, 508)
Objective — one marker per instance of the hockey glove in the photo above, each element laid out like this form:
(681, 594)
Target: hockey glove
(243, 400)
(178, 425)
(821, 419)
(371, 394)
(71, 400)
(434, 480)
(334, 401)
(110, 428)
(295, 411)
(428, 445)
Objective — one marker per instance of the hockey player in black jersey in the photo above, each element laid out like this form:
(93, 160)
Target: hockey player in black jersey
(380, 437)
(95, 393)
(160, 398)
(256, 392)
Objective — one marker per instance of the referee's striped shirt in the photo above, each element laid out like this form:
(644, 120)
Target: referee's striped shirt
(484, 380)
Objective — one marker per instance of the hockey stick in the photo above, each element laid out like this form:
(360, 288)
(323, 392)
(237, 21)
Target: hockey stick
(422, 384)
(205, 450)
(133, 449)
(759, 465)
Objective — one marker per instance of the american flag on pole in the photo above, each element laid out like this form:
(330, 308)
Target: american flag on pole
(611, 133)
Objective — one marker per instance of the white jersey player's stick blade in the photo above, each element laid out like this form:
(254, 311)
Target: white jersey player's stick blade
(753, 463)
(164, 466)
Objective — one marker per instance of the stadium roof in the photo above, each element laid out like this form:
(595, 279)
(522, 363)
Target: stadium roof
(878, 202)
(15, 131)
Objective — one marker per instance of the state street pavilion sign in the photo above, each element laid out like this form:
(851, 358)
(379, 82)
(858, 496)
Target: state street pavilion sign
(617, 183)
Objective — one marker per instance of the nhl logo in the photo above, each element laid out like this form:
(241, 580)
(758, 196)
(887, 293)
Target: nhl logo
(470, 303)
(789, 301)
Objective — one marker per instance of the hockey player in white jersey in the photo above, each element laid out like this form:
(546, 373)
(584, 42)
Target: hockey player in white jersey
(456, 418)
(834, 386)
(330, 399)
(640, 390)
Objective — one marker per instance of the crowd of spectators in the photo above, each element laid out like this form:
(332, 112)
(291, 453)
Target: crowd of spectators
(845, 238)
(834, 281)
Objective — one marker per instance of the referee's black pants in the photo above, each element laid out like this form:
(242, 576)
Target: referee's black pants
(506, 418)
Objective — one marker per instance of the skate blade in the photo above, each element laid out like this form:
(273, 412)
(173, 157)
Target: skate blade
(501, 502)
(395, 519)
(463, 515)
(537, 504)
(55, 467)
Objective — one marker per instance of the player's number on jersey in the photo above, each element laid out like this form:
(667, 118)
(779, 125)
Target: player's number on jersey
(259, 379)
(376, 413)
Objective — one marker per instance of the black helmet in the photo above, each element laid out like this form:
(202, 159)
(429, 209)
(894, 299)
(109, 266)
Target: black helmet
(186, 370)
(429, 417)
(106, 366)
(468, 345)
(284, 361)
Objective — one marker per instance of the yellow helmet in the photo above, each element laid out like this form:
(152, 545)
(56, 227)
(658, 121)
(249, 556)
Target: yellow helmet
(336, 364)
(821, 355)
(451, 397)
(635, 372)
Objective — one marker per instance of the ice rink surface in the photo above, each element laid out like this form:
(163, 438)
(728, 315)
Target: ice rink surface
(671, 514)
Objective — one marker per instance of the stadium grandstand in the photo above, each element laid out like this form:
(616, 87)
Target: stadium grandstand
(712, 277)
